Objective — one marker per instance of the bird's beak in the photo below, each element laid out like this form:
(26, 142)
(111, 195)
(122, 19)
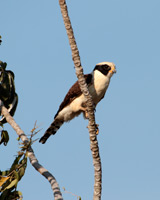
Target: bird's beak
(113, 70)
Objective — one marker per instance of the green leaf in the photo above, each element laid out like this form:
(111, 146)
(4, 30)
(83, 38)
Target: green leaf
(4, 173)
(15, 163)
(4, 137)
(12, 184)
(21, 172)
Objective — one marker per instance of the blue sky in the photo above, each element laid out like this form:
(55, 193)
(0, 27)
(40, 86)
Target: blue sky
(36, 48)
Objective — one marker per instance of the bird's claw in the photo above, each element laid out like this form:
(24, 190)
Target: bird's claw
(97, 129)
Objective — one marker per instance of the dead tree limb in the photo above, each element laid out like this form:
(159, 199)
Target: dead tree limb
(33, 160)
(92, 125)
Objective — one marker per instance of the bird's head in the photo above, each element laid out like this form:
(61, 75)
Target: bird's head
(106, 68)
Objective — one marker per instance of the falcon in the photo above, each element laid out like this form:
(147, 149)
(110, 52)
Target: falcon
(74, 102)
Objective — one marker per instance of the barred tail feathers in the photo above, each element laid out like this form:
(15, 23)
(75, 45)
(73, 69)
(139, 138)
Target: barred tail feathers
(51, 130)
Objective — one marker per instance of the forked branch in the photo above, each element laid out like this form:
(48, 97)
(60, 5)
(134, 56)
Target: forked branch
(33, 160)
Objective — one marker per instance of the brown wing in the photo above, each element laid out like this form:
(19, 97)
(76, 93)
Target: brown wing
(73, 93)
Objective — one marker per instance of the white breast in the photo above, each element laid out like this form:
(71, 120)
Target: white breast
(98, 89)
(72, 110)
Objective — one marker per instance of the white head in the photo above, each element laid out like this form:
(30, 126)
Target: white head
(106, 68)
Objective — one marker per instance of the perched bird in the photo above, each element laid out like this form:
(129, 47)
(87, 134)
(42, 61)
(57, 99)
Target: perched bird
(74, 102)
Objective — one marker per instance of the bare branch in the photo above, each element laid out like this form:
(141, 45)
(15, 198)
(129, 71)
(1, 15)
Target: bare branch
(33, 160)
(92, 125)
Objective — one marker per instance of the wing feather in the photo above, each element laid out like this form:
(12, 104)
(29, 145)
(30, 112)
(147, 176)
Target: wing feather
(73, 93)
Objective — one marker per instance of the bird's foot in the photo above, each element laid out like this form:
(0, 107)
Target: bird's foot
(97, 129)
(85, 112)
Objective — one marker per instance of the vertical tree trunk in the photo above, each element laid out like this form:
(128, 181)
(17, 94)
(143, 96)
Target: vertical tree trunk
(92, 125)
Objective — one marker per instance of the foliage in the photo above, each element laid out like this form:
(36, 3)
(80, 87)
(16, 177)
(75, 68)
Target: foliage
(7, 90)
(4, 137)
(10, 178)
(8, 97)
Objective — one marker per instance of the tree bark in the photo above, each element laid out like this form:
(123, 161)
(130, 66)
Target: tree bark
(92, 125)
(33, 160)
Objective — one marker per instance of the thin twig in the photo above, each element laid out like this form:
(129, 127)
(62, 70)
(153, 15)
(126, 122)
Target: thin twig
(30, 153)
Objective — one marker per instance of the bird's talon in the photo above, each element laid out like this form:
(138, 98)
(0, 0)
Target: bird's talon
(97, 129)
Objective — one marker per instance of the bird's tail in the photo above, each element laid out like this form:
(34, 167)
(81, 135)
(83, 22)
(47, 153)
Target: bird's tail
(56, 124)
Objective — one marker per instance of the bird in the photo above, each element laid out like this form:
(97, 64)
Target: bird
(74, 102)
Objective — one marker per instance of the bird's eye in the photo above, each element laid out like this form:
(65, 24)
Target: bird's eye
(106, 67)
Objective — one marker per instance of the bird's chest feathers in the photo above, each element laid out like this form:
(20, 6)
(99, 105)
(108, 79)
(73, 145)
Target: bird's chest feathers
(99, 86)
